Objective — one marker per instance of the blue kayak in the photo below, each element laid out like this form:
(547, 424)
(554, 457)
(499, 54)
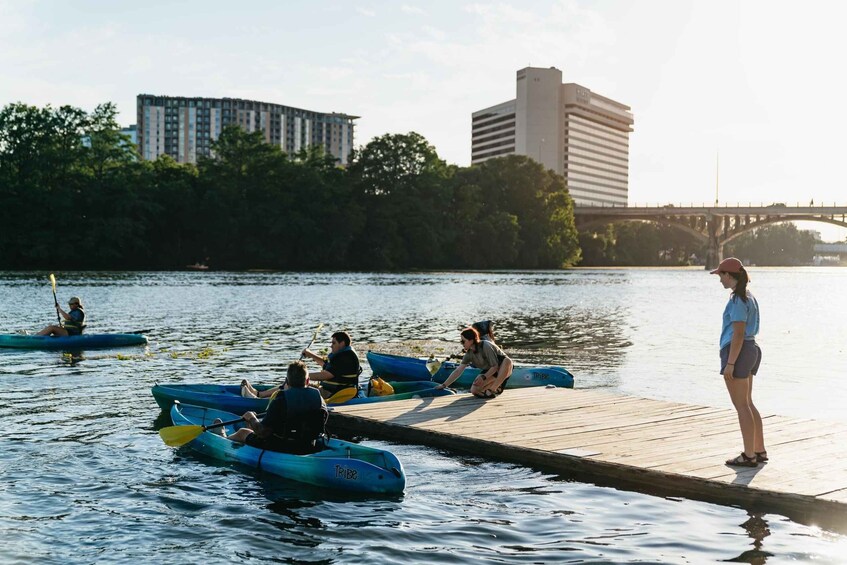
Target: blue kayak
(400, 368)
(72, 342)
(340, 465)
(228, 397)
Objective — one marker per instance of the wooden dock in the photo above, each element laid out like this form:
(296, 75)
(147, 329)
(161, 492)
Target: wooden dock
(659, 447)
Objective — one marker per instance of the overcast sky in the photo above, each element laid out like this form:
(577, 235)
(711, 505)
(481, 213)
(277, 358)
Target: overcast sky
(759, 83)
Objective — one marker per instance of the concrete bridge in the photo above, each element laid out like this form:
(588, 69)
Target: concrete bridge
(715, 225)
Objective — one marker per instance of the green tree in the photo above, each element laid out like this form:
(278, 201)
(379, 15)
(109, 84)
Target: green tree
(520, 209)
(776, 244)
(401, 184)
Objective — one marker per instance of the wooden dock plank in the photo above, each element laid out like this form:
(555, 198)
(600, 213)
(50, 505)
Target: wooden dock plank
(669, 446)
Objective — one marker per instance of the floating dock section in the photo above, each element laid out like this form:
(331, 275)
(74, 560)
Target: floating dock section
(654, 446)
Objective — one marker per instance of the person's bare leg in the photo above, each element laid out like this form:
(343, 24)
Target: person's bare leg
(738, 394)
(758, 428)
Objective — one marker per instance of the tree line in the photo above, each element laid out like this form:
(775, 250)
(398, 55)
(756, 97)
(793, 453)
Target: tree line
(75, 195)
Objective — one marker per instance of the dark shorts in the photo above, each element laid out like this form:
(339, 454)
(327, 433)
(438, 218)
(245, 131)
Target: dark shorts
(748, 360)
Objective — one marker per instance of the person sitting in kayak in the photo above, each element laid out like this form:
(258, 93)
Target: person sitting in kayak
(74, 320)
(494, 365)
(295, 419)
(249, 391)
(340, 370)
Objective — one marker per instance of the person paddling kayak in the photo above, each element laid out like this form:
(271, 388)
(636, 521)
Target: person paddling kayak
(295, 420)
(74, 321)
(340, 370)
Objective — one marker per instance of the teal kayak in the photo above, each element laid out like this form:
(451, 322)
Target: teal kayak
(229, 399)
(71, 342)
(400, 368)
(340, 465)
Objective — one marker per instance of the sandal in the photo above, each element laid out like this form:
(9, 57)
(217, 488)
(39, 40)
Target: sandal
(761, 457)
(743, 461)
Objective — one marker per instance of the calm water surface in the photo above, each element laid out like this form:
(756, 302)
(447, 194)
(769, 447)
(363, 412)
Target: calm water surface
(85, 477)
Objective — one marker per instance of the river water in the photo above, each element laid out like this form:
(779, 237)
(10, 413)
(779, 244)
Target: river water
(85, 477)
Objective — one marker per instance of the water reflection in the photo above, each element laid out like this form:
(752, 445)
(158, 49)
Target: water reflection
(757, 528)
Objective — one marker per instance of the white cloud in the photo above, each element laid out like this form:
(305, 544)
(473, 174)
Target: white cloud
(415, 10)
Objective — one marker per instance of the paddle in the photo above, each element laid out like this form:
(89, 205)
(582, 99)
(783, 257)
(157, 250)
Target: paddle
(175, 436)
(314, 337)
(433, 365)
(55, 300)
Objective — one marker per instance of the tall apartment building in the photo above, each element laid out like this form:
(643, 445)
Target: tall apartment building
(185, 128)
(567, 128)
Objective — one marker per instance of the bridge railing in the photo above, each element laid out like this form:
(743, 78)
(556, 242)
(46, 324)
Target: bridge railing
(775, 205)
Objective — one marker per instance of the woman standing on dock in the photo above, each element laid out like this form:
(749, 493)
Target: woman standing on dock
(740, 359)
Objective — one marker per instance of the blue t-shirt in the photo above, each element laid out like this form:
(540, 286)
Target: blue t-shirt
(739, 311)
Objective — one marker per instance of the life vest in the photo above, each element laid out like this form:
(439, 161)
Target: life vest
(342, 381)
(75, 327)
(378, 387)
(305, 419)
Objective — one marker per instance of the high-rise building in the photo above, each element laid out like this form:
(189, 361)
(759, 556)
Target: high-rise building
(185, 128)
(567, 128)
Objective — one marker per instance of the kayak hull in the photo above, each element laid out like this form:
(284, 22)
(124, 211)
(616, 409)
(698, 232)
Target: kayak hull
(72, 342)
(342, 465)
(229, 399)
(400, 368)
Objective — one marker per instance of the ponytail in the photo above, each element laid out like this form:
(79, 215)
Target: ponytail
(741, 288)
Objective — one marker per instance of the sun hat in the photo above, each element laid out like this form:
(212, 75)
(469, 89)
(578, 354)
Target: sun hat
(75, 300)
(729, 265)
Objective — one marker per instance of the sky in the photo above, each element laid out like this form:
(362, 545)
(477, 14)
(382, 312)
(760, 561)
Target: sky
(736, 97)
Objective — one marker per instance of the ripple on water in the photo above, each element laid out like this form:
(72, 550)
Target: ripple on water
(86, 478)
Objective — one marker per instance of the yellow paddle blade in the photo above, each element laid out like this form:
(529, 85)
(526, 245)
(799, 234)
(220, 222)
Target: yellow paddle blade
(342, 395)
(176, 436)
(53, 281)
(432, 366)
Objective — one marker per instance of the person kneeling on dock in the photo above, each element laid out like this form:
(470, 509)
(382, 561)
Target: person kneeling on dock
(340, 370)
(494, 365)
(295, 420)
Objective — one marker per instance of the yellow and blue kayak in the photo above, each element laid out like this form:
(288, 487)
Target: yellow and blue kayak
(339, 465)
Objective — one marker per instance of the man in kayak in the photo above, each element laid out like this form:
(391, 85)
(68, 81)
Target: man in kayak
(340, 370)
(74, 320)
(295, 419)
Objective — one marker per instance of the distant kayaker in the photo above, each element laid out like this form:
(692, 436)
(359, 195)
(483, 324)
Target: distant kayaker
(341, 368)
(740, 358)
(494, 365)
(295, 419)
(74, 320)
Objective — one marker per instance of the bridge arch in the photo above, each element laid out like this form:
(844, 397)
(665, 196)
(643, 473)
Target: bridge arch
(717, 226)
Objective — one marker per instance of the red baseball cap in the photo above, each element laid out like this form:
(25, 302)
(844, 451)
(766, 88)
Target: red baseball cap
(729, 265)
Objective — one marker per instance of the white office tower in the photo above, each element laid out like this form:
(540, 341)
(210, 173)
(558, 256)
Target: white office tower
(567, 128)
